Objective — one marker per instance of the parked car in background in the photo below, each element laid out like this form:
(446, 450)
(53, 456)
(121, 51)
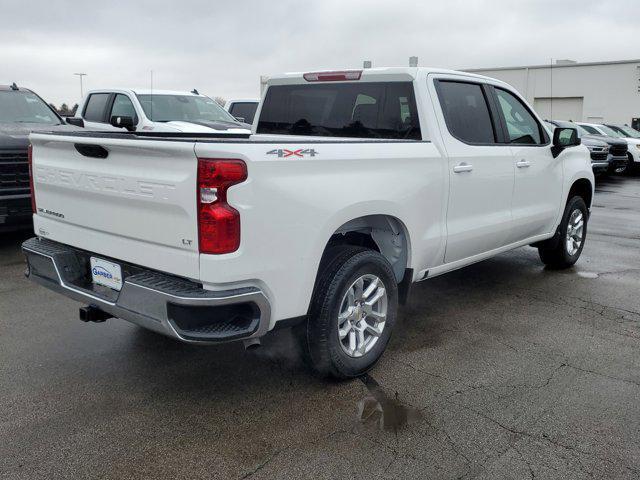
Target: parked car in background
(598, 149)
(604, 131)
(244, 110)
(322, 219)
(21, 112)
(617, 157)
(155, 111)
(633, 139)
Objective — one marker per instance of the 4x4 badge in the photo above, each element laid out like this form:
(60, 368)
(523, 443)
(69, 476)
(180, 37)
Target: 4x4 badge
(300, 152)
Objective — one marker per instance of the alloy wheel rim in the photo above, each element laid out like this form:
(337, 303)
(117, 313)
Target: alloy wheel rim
(362, 315)
(575, 232)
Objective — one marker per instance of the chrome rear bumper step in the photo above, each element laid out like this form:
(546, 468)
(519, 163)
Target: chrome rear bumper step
(167, 304)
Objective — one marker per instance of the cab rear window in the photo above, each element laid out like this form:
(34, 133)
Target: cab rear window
(383, 110)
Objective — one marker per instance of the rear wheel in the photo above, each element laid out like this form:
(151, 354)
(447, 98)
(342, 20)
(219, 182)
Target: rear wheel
(564, 250)
(353, 311)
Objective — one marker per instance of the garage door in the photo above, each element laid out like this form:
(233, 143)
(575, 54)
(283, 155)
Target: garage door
(564, 108)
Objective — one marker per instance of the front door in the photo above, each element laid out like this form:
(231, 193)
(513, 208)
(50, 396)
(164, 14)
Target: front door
(538, 176)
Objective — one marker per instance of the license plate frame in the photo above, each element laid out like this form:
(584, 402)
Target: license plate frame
(106, 273)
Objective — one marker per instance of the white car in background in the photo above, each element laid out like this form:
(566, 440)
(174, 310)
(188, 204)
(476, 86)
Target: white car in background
(632, 136)
(243, 109)
(632, 139)
(155, 111)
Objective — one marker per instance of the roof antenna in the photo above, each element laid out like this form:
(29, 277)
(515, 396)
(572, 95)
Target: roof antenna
(151, 96)
(14, 86)
(195, 92)
(551, 75)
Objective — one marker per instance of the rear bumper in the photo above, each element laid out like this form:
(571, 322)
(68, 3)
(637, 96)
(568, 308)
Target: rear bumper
(167, 304)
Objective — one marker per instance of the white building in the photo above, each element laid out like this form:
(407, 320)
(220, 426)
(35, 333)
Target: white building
(591, 92)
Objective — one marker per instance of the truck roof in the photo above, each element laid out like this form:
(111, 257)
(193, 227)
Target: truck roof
(374, 74)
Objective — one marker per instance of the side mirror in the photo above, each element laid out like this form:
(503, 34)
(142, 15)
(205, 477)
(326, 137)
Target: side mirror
(123, 122)
(564, 138)
(240, 119)
(75, 121)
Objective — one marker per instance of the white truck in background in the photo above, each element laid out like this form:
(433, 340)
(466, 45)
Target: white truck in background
(163, 111)
(353, 185)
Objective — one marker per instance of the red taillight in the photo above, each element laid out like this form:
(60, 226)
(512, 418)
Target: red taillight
(218, 222)
(33, 192)
(333, 76)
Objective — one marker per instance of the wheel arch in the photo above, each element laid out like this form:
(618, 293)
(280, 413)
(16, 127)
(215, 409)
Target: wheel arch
(386, 234)
(582, 187)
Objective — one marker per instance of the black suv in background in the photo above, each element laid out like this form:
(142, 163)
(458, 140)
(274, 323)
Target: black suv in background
(21, 112)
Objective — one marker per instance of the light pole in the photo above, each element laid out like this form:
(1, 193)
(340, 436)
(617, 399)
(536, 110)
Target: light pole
(80, 75)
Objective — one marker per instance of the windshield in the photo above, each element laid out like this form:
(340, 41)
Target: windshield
(183, 108)
(628, 131)
(581, 130)
(19, 106)
(609, 131)
(591, 130)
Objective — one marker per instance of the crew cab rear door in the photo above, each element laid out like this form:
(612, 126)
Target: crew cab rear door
(480, 167)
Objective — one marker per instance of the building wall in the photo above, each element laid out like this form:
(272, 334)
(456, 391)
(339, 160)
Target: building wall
(601, 92)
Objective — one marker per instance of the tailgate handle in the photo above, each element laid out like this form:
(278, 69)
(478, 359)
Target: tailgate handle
(94, 151)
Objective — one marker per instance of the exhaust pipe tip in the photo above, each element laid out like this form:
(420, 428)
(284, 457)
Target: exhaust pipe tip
(251, 343)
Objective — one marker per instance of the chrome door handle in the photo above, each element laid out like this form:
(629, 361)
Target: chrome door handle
(462, 167)
(523, 164)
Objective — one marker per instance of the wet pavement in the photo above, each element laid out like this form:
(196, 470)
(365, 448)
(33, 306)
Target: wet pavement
(500, 370)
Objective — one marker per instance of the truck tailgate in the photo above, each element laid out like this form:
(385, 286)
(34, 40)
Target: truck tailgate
(136, 204)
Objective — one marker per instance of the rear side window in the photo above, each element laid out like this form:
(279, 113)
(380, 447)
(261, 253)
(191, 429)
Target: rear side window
(466, 112)
(244, 110)
(94, 111)
(357, 110)
(522, 127)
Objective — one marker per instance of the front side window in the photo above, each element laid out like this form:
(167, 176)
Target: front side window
(94, 111)
(20, 106)
(123, 107)
(466, 112)
(183, 108)
(522, 127)
(385, 110)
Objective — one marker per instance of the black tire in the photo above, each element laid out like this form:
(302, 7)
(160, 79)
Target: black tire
(554, 252)
(340, 268)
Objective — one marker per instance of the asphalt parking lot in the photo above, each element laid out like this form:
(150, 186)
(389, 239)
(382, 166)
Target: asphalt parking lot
(500, 370)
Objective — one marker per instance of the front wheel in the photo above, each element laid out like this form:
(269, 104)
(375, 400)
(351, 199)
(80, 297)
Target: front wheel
(353, 311)
(564, 250)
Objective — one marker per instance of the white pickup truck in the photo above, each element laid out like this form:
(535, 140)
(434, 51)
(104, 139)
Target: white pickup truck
(116, 110)
(352, 186)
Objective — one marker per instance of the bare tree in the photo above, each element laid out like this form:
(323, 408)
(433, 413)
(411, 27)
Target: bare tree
(220, 101)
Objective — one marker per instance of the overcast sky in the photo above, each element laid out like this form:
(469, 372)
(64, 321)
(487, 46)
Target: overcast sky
(222, 47)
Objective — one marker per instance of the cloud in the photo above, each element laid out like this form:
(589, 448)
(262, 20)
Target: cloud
(222, 48)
